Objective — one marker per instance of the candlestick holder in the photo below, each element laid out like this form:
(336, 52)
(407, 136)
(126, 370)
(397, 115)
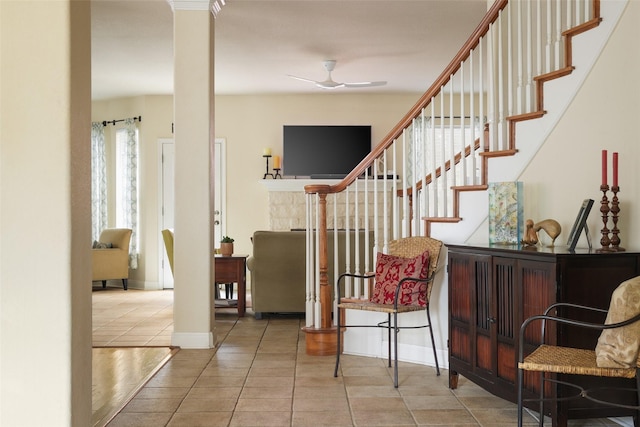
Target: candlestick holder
(615, 210)
(604, 210)
(267, 173)
(277, 175)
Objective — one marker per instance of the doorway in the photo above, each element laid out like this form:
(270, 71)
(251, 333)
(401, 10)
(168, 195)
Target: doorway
(166, 208)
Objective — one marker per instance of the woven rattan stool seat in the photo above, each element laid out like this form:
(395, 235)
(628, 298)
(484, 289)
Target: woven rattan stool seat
(382, 308)
(563, 360)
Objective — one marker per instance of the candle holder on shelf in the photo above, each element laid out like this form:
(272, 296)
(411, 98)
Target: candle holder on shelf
(277, 175)
(604, 210)
(267, 156)
(615, 210)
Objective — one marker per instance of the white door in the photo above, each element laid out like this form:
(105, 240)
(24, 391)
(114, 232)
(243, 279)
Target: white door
(220, 195)
(166, 209)
(167, 205)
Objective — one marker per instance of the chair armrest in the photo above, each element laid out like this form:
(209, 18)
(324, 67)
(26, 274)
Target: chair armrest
(572, 322)
(358, 276)
(568, 304)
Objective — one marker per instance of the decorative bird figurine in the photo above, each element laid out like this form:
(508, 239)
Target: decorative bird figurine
(530, 236)
(551, 227)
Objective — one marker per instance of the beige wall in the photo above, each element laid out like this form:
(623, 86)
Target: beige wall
(604, 115)
(45, 264)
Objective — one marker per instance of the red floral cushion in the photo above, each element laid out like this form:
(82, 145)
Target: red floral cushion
(391, 269)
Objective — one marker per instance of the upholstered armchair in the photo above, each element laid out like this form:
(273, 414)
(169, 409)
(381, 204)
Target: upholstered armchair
(110, 256)
(167, 236)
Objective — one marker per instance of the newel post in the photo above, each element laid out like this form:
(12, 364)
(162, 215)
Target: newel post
(321, 337)
(325, 289)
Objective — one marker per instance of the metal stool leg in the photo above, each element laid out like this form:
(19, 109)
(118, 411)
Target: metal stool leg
(433, 342)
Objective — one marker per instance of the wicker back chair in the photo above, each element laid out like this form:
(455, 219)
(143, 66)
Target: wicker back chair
(604, 361)
(408, 248)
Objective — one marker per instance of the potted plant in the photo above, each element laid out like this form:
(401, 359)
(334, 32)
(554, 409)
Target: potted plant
(226, 246)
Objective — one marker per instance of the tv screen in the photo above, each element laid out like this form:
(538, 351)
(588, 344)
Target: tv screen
(323, 151)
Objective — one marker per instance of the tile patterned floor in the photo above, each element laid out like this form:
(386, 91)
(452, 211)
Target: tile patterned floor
(132, 318)
(260, 376)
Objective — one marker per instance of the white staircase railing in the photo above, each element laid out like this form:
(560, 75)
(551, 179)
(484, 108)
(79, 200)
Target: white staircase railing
(442, 147)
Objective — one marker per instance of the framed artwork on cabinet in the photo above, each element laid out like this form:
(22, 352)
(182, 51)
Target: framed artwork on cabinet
(506, 222)
(580, 224)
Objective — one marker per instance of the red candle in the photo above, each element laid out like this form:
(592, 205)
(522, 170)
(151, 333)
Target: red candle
(604, 167)
(615, 169)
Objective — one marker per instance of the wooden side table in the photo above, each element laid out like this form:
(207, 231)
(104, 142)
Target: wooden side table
(233, 269)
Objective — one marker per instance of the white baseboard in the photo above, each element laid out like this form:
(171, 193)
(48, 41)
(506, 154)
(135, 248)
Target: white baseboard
(372, 342)
(193, 340)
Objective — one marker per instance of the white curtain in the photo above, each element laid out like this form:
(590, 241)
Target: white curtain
(98, 181)
(128, 203)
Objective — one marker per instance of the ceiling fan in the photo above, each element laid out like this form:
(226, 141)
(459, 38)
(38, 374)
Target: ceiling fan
(329, 83)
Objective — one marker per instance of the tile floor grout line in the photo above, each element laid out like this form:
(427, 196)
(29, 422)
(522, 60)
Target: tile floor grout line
(200, 375)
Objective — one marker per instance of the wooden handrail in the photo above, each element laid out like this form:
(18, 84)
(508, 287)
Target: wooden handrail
(424, 100)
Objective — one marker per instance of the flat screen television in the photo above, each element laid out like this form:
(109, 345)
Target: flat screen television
(327, 152)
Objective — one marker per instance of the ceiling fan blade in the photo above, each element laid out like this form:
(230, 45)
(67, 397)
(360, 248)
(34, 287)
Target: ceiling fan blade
(329, 83)
(303, 79)
(365, 84)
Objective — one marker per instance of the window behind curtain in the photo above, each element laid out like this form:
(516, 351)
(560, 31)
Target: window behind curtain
(127, 185)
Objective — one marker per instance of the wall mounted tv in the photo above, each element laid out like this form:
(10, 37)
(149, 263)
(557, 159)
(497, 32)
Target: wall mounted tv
(327, 152)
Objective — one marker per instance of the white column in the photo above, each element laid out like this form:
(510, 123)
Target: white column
(45, 213)
(194, 141)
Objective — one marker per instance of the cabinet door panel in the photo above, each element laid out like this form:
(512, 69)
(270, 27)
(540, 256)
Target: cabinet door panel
(484, 353)
(506, 357)
(460, 343)
(538, 287)
(504, 301)
(482, 282)
(460, 279)
(503, 312)
(539, 290)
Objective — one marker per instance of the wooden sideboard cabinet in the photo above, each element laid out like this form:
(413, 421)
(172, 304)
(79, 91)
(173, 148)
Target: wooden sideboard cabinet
(492, 289)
